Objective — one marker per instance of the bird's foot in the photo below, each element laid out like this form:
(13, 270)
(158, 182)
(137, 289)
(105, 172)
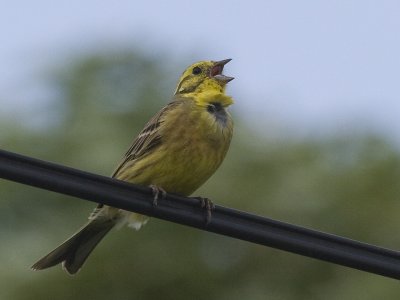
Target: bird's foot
(157, 190)
(208, 205)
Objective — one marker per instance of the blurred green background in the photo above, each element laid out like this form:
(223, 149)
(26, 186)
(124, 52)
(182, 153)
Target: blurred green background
(343, 184)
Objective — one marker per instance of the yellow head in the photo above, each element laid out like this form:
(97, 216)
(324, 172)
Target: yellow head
(203, 76)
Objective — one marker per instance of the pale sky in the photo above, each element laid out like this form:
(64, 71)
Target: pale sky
(306, 65)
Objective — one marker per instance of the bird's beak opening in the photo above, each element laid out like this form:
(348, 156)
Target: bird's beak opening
(216, 71)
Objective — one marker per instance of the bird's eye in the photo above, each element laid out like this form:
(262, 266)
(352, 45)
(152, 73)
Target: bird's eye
(196, 70)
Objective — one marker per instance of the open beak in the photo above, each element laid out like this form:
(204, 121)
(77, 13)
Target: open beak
(216, 71)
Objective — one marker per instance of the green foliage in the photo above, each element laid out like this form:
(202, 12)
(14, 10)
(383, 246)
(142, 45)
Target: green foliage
(344, 185)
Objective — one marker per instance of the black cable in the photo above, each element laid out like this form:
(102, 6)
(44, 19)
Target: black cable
(186, 211)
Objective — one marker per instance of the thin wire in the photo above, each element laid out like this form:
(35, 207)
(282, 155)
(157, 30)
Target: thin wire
(187, 211)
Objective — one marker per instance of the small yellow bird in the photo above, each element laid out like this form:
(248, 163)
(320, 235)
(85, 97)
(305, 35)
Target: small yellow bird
(176, 152)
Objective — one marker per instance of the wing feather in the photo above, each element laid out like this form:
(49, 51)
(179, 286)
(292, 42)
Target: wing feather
(148, 139)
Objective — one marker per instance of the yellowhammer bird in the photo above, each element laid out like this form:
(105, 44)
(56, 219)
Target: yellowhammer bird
(176, 152)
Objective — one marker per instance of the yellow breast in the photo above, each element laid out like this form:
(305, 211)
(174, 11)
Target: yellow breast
(194, 144)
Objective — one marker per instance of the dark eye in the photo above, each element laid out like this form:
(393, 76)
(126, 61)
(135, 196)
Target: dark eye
(196, 70)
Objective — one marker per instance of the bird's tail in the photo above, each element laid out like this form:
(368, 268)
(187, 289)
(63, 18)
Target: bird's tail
(74, 251)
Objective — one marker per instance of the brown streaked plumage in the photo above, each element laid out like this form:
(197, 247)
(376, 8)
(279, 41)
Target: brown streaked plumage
(177, 150)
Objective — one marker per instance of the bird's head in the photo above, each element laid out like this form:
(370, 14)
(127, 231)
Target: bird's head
(203, 76)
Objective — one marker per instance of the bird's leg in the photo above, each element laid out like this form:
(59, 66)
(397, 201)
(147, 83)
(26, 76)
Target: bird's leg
(156, 193)
(207, 204)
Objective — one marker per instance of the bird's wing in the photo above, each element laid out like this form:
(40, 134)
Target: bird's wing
(148, 139)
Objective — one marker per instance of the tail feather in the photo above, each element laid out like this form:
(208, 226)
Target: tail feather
(74, 251)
